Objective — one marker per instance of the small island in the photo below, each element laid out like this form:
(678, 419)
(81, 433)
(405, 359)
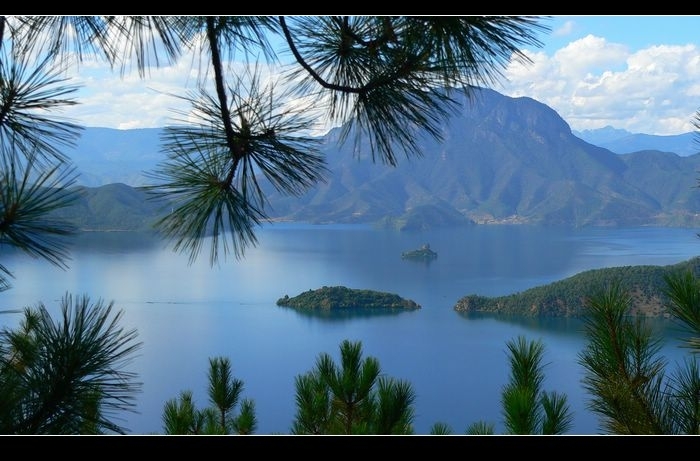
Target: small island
(338, 297)
(423, 253)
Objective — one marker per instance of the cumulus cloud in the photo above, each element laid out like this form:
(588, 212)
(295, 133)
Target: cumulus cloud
(112, 100)
(593, 83)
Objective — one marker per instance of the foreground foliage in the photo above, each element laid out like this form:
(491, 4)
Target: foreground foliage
(631, 386)
(67, 376)
(181, 416)
(352, 398)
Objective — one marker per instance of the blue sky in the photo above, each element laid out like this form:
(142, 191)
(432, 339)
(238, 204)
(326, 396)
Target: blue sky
(638, 73)
(635, 32)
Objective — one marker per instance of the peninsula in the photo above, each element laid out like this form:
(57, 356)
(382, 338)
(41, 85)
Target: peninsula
(567, 298)
(339, 297)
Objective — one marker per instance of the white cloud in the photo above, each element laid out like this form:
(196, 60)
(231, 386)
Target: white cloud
(593, 83)
(567, 28)
(590, 82)
(110, 99)
(589, 54)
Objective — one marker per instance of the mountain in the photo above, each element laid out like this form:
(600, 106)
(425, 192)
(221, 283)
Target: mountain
(106, 155)
(501, 160)
(624, 142)
(113, 207)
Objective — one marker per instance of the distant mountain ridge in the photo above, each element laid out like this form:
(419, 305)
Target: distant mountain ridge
(107, 156)
(624, 142)
(502, 160)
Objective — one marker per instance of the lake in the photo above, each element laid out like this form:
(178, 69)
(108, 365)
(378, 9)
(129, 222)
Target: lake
(456, 363)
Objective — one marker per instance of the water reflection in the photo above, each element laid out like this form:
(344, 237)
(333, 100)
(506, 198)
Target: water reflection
(335, 315)
(566, 326)
(117, 242)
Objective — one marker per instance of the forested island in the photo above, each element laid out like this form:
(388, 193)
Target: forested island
(566, 298)
(339, 297)
(423, 253)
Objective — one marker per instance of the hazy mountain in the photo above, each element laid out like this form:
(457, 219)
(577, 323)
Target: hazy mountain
(113, 207)
(105, 155)
(624, 142)
(502, 160)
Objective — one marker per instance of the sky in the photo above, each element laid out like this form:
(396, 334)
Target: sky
(637, 73)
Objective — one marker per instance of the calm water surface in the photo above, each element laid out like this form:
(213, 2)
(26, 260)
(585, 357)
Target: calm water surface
(456, 363)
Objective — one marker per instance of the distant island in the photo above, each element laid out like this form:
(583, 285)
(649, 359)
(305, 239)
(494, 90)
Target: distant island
(339, 297)
(423, 253)
(566, 298)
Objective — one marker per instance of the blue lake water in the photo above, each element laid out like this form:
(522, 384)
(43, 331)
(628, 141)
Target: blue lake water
(456, 363)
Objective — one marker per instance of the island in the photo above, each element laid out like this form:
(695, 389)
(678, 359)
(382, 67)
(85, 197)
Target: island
(423, 253)
(339, 297)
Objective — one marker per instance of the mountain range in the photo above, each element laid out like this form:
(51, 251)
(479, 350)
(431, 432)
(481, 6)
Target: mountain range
(501, 160)
(624, 142)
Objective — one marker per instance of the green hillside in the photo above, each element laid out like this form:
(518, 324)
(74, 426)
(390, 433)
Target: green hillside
(113, 207)
(565, 298)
